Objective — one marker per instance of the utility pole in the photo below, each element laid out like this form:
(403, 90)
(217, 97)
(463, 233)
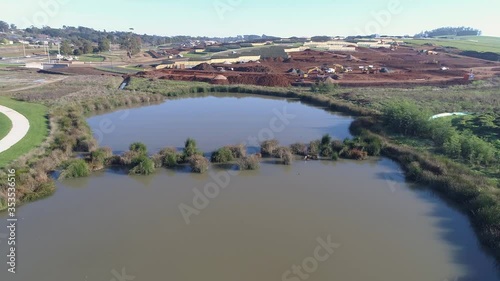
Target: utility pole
(24, 50)
(48, 52)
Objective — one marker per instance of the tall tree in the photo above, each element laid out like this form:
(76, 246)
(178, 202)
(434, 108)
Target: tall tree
(104, 45)
(66, 48)
(4, 27)
(87, 47)
(132, 44)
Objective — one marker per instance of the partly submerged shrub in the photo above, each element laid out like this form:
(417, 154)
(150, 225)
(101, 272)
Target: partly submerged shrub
(337, 145)
(170, 157)
(335, 156)
(285, 154)
(76, 168)
(127, 157)
(314, 147)
(299, 149)
(100, 155)
(373, 145)
(268, 148)
(190, 149)
(158, 160)
(238, 151)
(199, 164)
(139, 147)
(356, 154)
(222, 155)
(251, 162)
(142, 165)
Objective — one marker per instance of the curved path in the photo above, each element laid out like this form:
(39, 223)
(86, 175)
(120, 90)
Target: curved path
(20, 127)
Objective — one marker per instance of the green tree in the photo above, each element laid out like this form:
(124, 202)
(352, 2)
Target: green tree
(87, 47)
(104, 45)
(132, 44)
(4, 27)
(4, 41)
(66, 48)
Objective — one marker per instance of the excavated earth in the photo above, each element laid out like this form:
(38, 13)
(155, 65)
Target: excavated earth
(406, 66)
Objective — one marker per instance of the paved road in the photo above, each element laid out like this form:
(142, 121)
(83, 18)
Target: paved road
(20, 127)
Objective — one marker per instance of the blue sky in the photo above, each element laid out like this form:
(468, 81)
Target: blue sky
(237, 17)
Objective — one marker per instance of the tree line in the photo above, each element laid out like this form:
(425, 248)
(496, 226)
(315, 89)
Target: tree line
(450, 31)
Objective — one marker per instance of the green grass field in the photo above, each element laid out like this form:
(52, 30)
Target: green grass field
(464, 43)
(91, 58)
(36, 114)
(119, 69)
(5, 125)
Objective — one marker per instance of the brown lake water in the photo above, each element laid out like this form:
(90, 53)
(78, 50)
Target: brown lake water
(317, 220)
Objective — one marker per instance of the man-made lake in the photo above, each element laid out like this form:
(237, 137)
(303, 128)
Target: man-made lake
(316, 220)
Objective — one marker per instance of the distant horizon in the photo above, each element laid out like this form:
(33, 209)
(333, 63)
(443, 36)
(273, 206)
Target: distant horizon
(246, 34)
(230, 18)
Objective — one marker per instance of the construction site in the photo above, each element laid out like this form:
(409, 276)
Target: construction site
(393, 65)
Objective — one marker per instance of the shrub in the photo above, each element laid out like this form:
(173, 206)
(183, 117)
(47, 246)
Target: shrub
(84, 144)
(128, 157)
(326, 151)
(337, 145)
(299, 149)
(441, 131)
(158, 160)
(139, 147)
(285, 154)
(314, 147)
(335, 156)
(356, 154)
(170, 157)
(190, 149)
(142, 165)
(42, 191)
(414, 171)
(407, 118)
(268, 148)
(100, 155)
(222, 155)
(238, 151)
(326, 140)
(373, 145)
(76, 168)
(199, 164)
(251, 162)
(324, 88)
(63, 142)
(452, 146)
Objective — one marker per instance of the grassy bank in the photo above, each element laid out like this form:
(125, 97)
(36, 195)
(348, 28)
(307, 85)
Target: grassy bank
(5, 125)
(67, 103)
(37, 116)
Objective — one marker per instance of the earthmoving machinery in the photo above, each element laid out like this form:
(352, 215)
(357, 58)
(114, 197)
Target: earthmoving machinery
(368, 69)
(394, 45)
(316, 69)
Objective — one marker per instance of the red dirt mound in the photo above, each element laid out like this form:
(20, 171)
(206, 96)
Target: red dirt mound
(257, 68)
(204, 66)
